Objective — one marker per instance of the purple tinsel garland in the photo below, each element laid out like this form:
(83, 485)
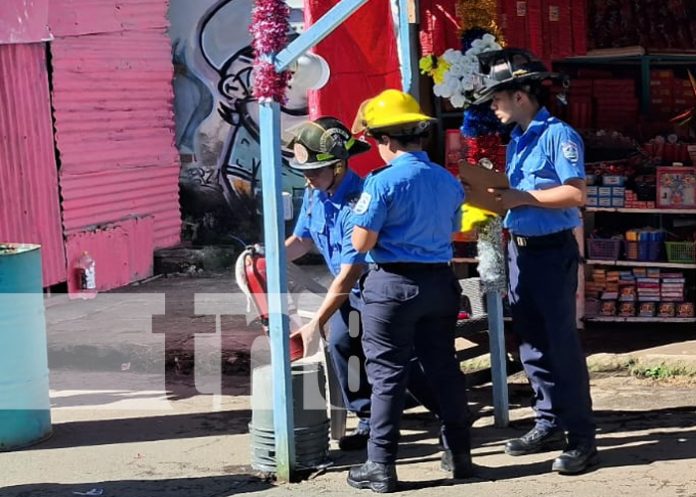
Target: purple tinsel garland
(269, 29)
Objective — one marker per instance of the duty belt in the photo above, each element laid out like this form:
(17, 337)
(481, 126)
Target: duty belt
(551, 240)
(409, 266)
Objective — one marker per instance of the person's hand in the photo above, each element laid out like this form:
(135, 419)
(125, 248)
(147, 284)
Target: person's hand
(310, 332)
(509, 198)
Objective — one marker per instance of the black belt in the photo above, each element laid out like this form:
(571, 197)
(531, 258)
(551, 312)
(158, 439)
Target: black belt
(551, 240)
(410, 266)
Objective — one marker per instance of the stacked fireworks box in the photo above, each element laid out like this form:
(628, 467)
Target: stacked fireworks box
(551, 29)
(643, 292)
(616, 103)
(669, 95)
(611, 193)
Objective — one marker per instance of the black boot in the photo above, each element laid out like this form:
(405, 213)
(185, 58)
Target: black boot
(536, 440)
(458, 464)
(380, 478)
(355, 440)
(576, 458)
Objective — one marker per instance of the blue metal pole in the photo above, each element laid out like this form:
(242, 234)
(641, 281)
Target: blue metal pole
(317, 32)
(496, 338)
(271, 163)
(405, 48)
(274, 236)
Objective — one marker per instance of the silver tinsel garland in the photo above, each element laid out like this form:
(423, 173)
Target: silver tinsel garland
(491, 266)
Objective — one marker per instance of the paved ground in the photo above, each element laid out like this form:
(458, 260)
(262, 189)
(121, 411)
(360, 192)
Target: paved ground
(123, 426)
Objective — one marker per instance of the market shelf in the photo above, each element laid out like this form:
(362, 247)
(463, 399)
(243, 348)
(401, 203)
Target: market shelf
(469, 260)
(666, 265)
(640, 211)
(638, 56)
(636, 319)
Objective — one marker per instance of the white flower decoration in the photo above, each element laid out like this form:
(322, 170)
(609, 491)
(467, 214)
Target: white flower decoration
(459, 78)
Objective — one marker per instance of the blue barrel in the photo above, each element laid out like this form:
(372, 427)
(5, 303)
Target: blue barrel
(25, 409)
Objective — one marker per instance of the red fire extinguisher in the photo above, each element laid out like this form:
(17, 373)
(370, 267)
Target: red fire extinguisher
(86, 275)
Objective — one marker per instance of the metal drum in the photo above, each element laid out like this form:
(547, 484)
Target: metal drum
(25, 415)
(311, 420)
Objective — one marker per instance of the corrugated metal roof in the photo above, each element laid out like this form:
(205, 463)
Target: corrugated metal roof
(114, 123)
(29, 204)
(79, 17)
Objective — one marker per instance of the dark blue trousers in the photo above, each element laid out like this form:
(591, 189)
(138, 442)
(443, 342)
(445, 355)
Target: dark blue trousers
(348, 358)
(543, 281)
(407, 312)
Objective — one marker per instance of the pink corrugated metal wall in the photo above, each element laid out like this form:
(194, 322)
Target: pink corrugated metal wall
(112, 98)
(29, 204)
(24, 21)
(79, 17)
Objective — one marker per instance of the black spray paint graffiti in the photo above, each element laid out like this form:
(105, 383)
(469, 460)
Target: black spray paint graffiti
(217, 116)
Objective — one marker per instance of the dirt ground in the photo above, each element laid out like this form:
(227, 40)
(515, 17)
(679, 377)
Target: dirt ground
(137, 441)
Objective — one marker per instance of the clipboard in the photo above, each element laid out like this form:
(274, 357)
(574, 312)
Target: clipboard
(479, 180)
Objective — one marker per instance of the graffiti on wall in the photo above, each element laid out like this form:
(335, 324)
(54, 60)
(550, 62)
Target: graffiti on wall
(217, 118)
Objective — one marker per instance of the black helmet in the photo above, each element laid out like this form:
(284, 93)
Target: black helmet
(509, 68)
(321, 143)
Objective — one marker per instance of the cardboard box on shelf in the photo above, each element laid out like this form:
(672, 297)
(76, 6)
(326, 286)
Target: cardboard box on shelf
(666, 310)
(658, 74)
(627, 309)
(647, 309)
(685, 310)
(608, 308)
(676, 187)
(617, 202)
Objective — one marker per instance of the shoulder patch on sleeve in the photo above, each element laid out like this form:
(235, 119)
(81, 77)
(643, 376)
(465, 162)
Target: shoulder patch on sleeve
(570, 150)
(363, 203)
(352, 199)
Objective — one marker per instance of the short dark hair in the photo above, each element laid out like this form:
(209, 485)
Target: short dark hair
(403, 140)
(536, 90)
(404, 135)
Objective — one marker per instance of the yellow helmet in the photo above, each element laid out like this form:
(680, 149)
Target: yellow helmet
(472, 216)
(391, 108)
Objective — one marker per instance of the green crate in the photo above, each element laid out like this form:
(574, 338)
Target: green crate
(684, 252)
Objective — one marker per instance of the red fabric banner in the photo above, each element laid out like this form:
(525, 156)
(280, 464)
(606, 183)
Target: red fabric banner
(364, 61)
(439, 27)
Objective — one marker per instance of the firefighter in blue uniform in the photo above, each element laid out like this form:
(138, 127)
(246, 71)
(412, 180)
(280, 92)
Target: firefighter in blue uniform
(404, 221)
(321, 150)
(546, 172)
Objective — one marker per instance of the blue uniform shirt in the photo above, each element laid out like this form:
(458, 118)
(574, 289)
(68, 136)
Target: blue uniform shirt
(327, 220)
(546, 155)
(414, 205)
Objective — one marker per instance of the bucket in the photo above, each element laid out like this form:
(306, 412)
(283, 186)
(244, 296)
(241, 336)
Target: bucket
(311, 430)
(25, 415)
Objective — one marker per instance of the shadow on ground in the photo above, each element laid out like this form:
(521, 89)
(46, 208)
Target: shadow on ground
(664, 436)
(146, 429)
(233, 484)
